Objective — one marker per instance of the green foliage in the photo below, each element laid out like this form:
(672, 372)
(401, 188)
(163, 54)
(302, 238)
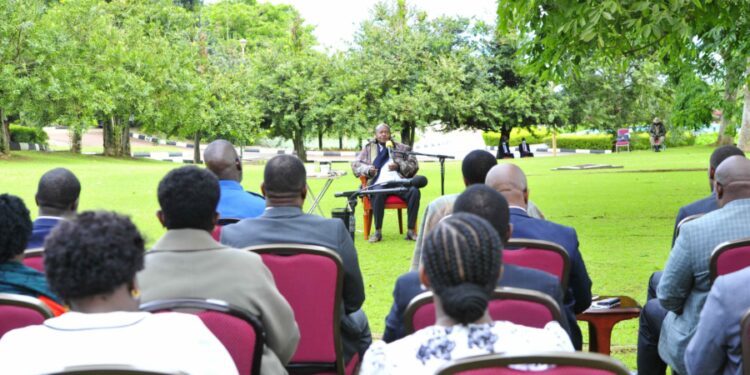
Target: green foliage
(25, 134)
(532, 135)
(694, 103)
(584, 142)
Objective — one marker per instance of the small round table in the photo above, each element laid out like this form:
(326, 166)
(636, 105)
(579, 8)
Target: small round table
(601, 321)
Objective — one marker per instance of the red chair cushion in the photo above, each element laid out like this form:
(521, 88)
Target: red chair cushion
(36, 263)
(237, 336)
(544, 260)
(517, 311)
(12, 317)
(559, 370)
(394, 199)
(733, 260)
(308, 281)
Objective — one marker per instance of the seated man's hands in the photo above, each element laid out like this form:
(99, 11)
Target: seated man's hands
(373, 171)
(392, 167)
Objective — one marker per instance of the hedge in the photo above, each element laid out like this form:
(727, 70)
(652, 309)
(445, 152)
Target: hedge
(638, 141)
(25, 134)
(538, 136)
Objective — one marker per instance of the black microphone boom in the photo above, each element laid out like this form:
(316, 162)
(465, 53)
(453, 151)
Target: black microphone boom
(416, 181)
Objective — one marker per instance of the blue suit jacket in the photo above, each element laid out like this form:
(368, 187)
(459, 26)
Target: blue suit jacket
(700, 206)
(42, 227)
(408, 286)
(578, 296)
(715, 348)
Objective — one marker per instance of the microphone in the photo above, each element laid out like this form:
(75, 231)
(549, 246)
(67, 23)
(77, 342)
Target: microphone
(389, 146)
(416, 181)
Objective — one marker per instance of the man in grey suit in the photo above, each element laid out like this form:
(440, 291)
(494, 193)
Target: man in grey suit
(685, 283)
(284, 186)
(715, 348)
(188, 263)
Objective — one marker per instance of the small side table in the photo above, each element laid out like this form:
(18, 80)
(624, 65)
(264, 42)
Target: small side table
(329, 176)
(601, 322)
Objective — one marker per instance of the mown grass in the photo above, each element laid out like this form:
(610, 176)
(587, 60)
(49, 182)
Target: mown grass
(624, 217)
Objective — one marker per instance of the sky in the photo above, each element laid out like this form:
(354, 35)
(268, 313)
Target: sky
(336, 21)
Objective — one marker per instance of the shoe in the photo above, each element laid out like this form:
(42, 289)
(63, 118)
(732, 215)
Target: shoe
(410, 235)
(375, 237)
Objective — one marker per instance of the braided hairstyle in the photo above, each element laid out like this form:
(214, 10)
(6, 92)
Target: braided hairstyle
(462, 262)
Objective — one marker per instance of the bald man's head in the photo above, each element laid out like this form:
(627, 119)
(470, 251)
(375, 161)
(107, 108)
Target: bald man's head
(221, 159)
(733, 180)
(510, 181)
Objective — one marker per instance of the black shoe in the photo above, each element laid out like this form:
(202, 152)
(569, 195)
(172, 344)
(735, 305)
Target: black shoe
(410, 235)
(375, 237)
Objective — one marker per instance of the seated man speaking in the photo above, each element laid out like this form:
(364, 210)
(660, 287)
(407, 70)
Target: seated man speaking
(382, 161)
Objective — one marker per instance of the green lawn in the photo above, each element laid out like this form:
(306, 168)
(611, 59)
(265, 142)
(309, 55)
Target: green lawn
(624, 217)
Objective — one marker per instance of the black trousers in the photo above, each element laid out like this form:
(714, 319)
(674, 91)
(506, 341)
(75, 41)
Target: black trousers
(649, 330)
(411, 197)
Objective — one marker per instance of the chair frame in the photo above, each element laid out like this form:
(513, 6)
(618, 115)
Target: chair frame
(683, 221)
(720, 249)
(294, 249)
(545, 245)
(499, 293)
(745, 342)
(368, 214)
(583, 359)
(617, 147)
(217, 306)
(7, 299)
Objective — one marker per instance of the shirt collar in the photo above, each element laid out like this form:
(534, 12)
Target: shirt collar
(231, 185)
(186, 240)
(76, 321)
(518, 208)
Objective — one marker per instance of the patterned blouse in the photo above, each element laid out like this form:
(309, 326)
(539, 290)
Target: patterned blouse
(427, 349)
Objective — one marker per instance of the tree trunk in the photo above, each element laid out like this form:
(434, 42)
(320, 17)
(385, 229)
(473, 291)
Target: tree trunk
(4, 135)
(299, 145)
(730, 94)
(359, 143)
(504, 134)
(197, 149)
(75, 140)
(125, 138)
(744, 143)
(108, 136)
(320, 139)
(407, 135)
(341, 142)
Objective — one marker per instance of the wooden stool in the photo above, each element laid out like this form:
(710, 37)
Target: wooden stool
(601, 322)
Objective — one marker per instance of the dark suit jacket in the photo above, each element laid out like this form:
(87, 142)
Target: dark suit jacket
(408, 286)
(291, 225)
(42, 227)
(700, 206)
(578, 295)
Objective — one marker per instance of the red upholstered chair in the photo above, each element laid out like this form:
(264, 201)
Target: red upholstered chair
(239, 331)
(110, 370)
(542, 255)
(34, 258)
(623, 139)
(17, 311)
(745, 342)
(392, 202)
(561, 363)
(216, 233)
(729, 257)
(311, 279)
(520, 306)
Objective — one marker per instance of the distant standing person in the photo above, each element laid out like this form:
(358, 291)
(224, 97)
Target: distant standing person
(657, 134)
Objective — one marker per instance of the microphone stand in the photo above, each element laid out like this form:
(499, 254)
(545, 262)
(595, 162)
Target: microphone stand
(441, 159)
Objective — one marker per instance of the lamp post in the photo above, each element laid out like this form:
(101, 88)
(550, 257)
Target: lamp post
(243, 43)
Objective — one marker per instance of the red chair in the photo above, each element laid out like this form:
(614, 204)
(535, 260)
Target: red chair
(34, 258)
(541, 255)
(216, 233)
(561, 363)
(623, 139)
(239, 331)
(519, 306)
(17, 311)
(311, 279)
(745, 342)
(729, 257)
(392, 202)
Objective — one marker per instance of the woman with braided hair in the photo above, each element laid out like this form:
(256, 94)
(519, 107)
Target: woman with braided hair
(461, 267)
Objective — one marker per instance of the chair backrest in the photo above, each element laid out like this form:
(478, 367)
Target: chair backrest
(519, 306)
(239, 331)
(541, 255)
(623, 132)
(110, 370)
(561, 363)
(311, 279)
(227, 220)
(34, 258)
(729, 257)
(683, 221)
(745, 341)
(17, 311)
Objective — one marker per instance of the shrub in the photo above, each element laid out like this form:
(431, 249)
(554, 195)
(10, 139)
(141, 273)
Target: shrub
(585, 142)
(25, 134)
(536, 135)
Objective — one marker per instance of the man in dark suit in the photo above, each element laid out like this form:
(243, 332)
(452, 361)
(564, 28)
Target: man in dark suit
(284, 186)
(490, 205)
(510, 181)
(57, 198)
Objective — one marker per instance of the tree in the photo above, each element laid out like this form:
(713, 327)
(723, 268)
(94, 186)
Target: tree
(710, 34)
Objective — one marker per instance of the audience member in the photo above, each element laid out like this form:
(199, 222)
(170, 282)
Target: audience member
(91, 263)
(664, 334)
(57, 199)
(235, 203)
(524, 149)
(188, 263)
(382, 161)
(716, 346)
(510, 181)
(284, 186)
(15, 277)
(462, 267)
(490, 205)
